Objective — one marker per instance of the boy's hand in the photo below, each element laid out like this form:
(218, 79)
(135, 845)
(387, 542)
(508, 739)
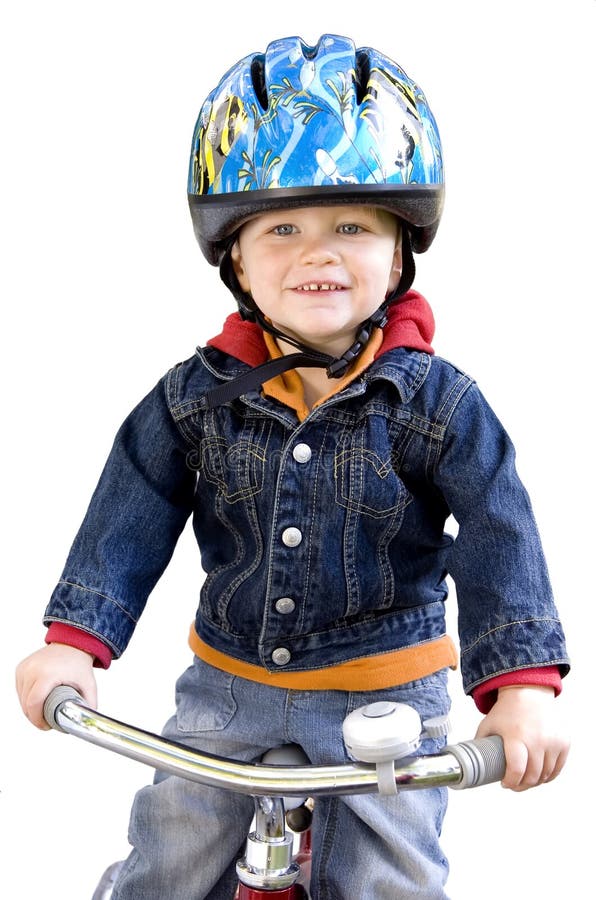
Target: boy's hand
(45, 669)
(535, 752)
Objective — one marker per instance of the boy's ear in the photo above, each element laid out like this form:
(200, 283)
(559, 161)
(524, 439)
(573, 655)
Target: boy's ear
(238, 266)
(396, 267)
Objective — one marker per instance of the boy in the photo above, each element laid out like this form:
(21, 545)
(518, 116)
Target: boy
(320, 447)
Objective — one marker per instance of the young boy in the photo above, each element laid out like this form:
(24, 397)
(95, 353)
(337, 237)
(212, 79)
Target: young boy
(320, 446)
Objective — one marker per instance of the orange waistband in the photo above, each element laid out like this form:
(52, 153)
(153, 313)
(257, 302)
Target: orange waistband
(370, 673)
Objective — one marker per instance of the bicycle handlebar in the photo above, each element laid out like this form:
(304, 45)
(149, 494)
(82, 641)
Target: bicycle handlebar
(463, 765)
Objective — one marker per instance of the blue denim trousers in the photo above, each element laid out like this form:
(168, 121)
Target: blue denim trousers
(186, 837)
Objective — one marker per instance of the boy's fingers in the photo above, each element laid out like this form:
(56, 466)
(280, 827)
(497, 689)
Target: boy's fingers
(516, 756)
(47, 668)
(549, 767)
(526, 769)
(559, 759)
(34, 702)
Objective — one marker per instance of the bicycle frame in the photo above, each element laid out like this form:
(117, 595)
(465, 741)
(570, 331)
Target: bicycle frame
(268, 871)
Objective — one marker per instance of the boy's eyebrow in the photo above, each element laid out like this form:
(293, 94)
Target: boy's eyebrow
(372, 212)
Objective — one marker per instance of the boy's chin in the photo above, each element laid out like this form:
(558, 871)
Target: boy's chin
(334, 345)
(323, 333)
(326, 337)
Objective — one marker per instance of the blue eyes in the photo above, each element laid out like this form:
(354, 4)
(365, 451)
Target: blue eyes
(348, 228)
(284, 229)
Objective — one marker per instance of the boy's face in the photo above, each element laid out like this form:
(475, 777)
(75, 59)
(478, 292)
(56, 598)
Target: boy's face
(318, 272)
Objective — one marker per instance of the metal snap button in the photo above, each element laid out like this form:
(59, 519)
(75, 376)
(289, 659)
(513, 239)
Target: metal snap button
(281, 656)
(285, 605)
(302, 453)
(291, 537)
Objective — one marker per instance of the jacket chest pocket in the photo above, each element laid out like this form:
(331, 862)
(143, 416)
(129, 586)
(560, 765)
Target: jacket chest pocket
(366, 483)
(237, 470)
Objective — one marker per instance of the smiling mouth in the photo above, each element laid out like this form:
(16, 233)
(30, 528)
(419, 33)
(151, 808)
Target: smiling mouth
(325, 286)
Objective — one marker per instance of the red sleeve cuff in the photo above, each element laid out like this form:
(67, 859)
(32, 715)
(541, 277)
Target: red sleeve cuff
(485, 695)
(59, 633)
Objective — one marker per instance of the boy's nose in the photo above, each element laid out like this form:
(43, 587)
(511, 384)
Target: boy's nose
(320, 250)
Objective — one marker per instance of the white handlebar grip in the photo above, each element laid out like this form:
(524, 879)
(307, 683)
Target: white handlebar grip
(57, 696)
(482, 761)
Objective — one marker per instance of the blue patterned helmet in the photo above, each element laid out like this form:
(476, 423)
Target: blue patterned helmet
(307, 126)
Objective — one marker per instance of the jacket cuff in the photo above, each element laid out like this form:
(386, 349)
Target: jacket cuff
(485, 695)
(59, 633)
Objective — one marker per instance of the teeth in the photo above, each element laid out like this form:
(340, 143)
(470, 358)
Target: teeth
(319, 287)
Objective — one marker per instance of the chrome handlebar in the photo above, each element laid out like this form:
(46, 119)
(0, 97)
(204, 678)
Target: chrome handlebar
(462, 765)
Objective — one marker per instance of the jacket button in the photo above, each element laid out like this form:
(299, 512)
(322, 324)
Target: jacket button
(281, 656)
(285, 605)
(302, 453)
(291, 537)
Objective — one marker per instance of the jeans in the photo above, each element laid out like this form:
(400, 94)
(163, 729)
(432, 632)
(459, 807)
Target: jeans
(187, 837)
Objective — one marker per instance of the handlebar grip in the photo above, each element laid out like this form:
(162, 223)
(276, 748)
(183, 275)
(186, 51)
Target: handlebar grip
(55, 698)
(482, 761)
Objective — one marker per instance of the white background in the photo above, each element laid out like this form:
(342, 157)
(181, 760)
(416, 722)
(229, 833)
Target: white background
(103, 288)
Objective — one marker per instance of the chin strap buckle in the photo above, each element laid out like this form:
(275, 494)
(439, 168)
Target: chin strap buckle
(339, 366)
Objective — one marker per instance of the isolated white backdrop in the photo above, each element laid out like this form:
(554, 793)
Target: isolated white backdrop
(103, 288)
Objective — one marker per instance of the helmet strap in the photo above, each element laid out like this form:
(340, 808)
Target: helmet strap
(336, 367)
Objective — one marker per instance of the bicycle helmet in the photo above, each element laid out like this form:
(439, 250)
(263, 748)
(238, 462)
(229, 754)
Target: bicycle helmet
(305, 126)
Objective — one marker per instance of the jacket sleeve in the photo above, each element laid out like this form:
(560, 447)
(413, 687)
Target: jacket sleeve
(137, 512)
(507, 616)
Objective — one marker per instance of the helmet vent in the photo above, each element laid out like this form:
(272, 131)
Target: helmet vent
(310, 52)
(257, 73)
(362, 74)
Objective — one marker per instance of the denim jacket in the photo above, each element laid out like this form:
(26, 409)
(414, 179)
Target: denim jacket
(340, 517)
